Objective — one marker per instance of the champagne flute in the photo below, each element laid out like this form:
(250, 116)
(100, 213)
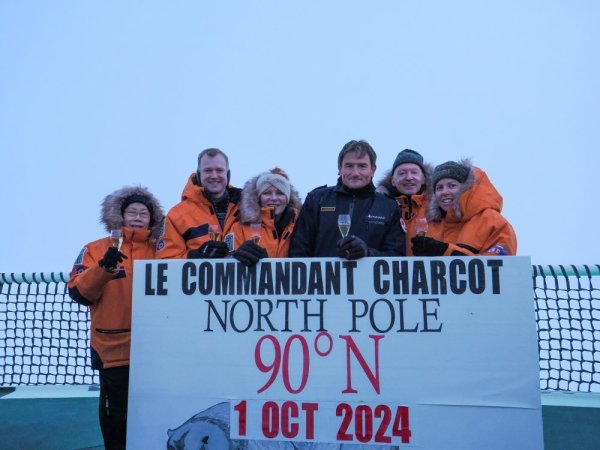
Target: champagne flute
(116, 238)
(214, 232)
(255, 232)
(421, 226)
(344, 224)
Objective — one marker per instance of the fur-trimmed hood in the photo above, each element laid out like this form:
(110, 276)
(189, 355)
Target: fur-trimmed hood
(111, 215)
(385, 185)
(250, 207)
(476, 194)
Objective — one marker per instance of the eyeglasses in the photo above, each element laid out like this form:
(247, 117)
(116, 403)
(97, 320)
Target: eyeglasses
(133, 214)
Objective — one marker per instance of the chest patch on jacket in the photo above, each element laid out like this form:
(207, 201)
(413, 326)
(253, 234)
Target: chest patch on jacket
(327, 208)
(229, 239)
(379, 220)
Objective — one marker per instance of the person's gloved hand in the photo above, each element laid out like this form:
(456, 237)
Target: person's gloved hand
(111, 259)
(427, 246)
(210, 249)
(352, 247)
(249, 253)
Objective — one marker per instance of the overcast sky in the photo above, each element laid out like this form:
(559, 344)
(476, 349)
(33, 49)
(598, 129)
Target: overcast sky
(96, 95)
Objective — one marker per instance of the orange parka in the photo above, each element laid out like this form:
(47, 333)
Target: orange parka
(475, 226)
(276, 242)
(413, 207)
(109, 295)
(187, 223)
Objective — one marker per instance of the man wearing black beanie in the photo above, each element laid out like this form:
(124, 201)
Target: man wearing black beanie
(408, 183)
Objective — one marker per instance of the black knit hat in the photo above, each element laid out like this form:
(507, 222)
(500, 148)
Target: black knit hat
(408, 156)
(137, 198)
(450, 169)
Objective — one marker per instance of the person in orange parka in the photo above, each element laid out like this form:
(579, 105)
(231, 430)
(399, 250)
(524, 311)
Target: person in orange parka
(464, 215)
(268, 211)
(408, 182)
(101, 278)
(208, 200)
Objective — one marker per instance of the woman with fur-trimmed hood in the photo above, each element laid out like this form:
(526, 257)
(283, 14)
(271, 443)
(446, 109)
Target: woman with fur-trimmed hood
(101, 278)
(464, 215)
(268, 210)
(408, 183)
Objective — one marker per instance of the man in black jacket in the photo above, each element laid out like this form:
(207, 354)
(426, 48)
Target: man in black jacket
(375, 218)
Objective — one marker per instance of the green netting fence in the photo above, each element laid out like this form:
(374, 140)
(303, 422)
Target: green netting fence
(44, 336)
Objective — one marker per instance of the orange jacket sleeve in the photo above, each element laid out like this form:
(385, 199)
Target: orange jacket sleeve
(87, 276)
(488, 234)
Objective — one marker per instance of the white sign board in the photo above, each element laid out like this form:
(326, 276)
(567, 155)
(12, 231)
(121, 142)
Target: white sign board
(381, 353)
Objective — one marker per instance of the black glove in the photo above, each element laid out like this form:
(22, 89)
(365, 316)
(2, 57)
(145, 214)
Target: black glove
(352, 247)
(210, 249)
(249, 253)
(427, 246)
(111, 259)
